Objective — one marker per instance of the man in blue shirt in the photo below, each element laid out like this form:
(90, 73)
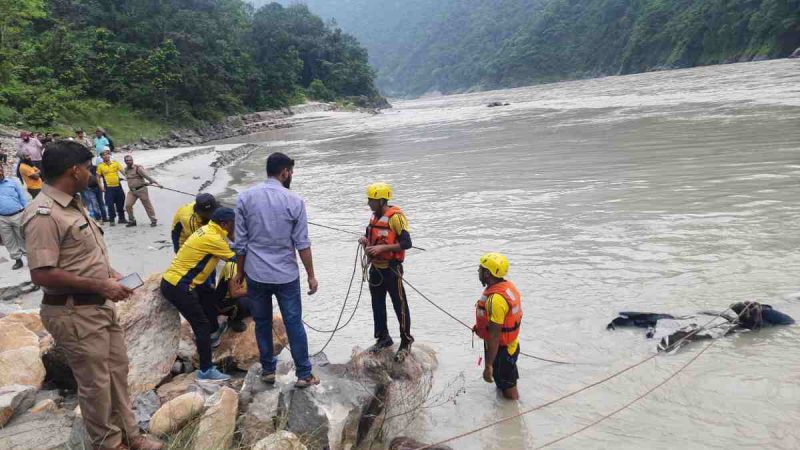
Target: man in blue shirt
(100, 143)
(271, 230)
(12, 203)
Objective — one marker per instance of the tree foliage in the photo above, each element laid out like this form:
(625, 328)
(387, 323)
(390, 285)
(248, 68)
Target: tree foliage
(180, 59)
(419, 46)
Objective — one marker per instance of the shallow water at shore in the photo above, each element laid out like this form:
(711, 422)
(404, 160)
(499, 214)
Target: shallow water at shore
(670, 192)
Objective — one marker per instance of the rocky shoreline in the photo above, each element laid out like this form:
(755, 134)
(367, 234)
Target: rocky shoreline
(368, 402)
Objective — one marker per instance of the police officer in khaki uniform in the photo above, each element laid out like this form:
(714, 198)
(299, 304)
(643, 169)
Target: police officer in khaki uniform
(69, 260)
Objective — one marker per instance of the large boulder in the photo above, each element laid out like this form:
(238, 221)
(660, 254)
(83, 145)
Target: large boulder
(15, 399)
(40, 431)
(238, 350)
(306, 417)
(152, 332)
(282, 440)
(178, 386)
(20, 362)
(218, 423)
(262, 416)
(176, 413)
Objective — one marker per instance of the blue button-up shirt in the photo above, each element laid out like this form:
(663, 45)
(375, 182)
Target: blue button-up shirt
(12, 197)
(271, 225)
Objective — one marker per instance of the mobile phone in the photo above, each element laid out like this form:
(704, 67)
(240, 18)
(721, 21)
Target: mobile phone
(132, 281)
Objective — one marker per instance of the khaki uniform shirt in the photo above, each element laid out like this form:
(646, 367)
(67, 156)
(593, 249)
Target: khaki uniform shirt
(136, 176)
(59, 233)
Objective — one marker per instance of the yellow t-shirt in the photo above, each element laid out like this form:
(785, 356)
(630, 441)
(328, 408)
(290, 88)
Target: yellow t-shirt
(185, 222)
(198, 257)
(497, 308)
(109, 172)
(26, 171)
(229, 270)
(398, 223)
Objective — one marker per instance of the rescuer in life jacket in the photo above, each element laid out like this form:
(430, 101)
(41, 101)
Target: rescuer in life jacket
(498, 315)
(386, 241)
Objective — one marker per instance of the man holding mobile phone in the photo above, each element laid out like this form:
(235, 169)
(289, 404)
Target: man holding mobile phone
(68, 258)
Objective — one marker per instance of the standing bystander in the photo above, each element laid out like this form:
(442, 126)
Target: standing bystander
(70, 262)
(12, 203)
(108, 171)
(137, 179)
(271, 230)
(31, 175)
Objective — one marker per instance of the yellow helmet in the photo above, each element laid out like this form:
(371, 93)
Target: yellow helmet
(378, 191)
(495, 263)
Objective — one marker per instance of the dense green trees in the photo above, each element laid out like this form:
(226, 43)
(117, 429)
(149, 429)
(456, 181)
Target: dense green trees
(419, 46)
(180, 59)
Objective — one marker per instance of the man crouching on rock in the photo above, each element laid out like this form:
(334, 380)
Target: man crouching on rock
(69, 260)
(498, 315)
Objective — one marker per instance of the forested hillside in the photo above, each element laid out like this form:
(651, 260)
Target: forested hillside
(453, 45)
(179, 60)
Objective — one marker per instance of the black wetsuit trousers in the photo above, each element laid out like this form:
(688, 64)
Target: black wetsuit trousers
(389, 281)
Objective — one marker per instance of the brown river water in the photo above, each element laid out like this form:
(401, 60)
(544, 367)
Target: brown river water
(667, 192)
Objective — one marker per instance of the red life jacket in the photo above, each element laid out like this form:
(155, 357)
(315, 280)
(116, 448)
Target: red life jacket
(380, 233)
(510, 329)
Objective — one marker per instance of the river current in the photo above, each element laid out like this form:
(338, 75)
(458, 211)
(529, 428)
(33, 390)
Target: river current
(668, 192)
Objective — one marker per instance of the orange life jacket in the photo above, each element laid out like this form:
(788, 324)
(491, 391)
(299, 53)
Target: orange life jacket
(380, 233)
(510, 329)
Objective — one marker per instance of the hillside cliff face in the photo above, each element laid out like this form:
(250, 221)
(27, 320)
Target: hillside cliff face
(421, 46)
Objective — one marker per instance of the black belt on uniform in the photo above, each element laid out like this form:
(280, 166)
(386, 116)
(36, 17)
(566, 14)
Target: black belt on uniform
(77, 299)
(13, 214)
(137, 189)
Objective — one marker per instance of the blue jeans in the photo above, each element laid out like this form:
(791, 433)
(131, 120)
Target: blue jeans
(90, 200)
(260, 301)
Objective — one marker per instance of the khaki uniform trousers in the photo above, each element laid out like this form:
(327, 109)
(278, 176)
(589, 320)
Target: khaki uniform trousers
(11, 235)
(94, 344)
(144, 196)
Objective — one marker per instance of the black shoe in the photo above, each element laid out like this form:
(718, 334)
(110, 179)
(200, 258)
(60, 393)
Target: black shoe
(237, 325)
(132, 223)
(121, 221)
(153, 223)
(403, 351)
(381, 344)
(17, 265)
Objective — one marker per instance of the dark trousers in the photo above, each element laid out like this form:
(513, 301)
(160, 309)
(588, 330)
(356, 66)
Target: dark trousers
(233, 308)
(34, 192)
(198, 306)
(115, 200)
(100, 201)
(381, 282)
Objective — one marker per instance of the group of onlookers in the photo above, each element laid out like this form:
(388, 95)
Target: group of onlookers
(105, 199)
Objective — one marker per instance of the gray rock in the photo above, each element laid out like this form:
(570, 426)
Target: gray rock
(407, 443)
(305, 418)
(45, 431)
(251, 386)
(14, 400)
(262, 416)
(144, 406)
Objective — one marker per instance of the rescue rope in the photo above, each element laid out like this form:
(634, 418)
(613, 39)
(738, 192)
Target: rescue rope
(340, 230)
(585, 388)
(465, 325)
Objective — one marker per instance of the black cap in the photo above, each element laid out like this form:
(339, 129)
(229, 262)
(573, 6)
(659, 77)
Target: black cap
(223, 215)
(205, 203)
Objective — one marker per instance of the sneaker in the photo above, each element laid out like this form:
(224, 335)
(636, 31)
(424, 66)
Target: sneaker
(303, 383)
(380, 344)
(268, 378)
(403, 351)
(212, 374)
(216, 337)
(153, 223)
(17, 265)
(131, 223)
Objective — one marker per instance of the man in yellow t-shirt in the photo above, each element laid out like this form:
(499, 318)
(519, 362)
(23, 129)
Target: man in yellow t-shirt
(108, 173)
(185, 285)
(31, 175)
(190, 217)
(386, 241)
